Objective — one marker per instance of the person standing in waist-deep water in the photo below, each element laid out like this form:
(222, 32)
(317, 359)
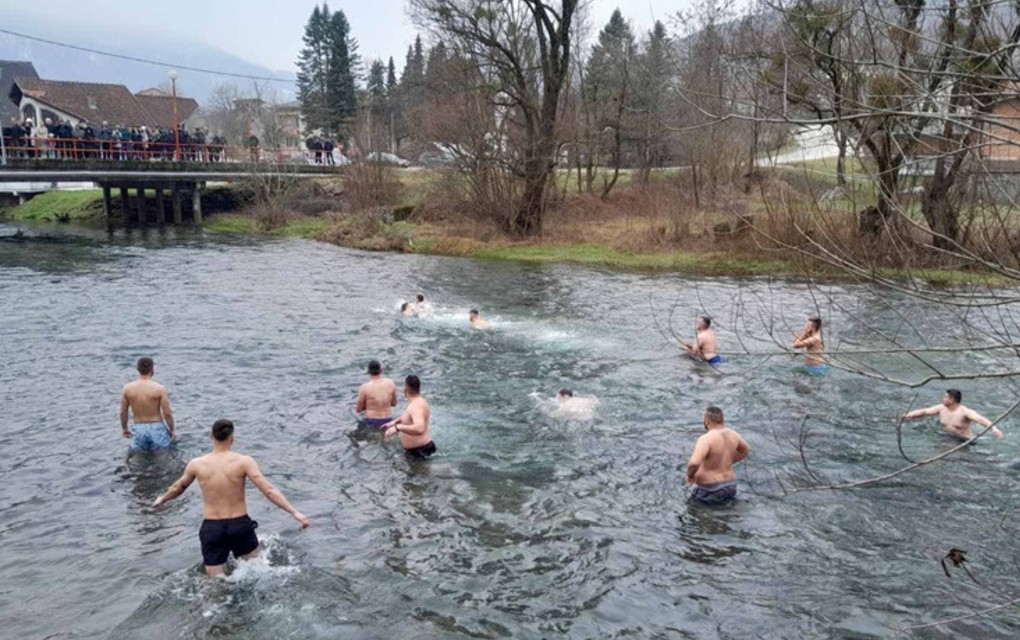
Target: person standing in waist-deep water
(710, 468)
(706, 344)
(954, 417)
(413, 424)
(810, 339)
(221, 475)
(149, 405)
(377, 397)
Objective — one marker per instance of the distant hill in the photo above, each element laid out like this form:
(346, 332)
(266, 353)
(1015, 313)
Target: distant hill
(60, 63)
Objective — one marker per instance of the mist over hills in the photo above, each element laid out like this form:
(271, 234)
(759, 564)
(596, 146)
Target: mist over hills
(60, 63)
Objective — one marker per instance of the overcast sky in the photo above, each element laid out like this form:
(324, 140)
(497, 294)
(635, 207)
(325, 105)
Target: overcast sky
(269, 32)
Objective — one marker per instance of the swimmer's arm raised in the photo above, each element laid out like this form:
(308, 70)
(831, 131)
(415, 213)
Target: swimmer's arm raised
(922, 413)
(271, 493)
(124, 415)
(974, 416)
(178, 487)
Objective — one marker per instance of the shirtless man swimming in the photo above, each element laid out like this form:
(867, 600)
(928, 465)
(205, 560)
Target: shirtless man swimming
(706, 346)
(476, 320)
(408, 309)
(413, 424)
(710, 467)
(221, 475)
(150, 408)
(810, 339)
(377, 397)
(954, 417)
(421, 307)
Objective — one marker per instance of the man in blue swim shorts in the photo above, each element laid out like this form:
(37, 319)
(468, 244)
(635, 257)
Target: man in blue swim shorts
(706, 345)
(149, 407)
(710, 468)
(810, 339)
(377, 397)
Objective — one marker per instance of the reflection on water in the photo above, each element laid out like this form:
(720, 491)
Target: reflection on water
(525, 524)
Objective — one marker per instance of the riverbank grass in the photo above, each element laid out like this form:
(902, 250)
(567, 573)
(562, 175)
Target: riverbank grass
(62, 206)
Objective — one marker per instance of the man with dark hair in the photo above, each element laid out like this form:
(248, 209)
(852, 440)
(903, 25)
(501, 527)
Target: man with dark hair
(407, 309)
(710, 468)
(221, 475)
(706, 345)
(421, 307)
(564, 394)
(149, 405)
(413, 424)
(476, 320)
(954, 417)
(810, 339)
(377, 397)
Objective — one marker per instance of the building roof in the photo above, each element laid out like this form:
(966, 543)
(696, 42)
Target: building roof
(89, 101)
(97, 102)
(9, 70)
(161, 108)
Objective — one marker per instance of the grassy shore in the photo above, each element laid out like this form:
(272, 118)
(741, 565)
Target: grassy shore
(614, 242)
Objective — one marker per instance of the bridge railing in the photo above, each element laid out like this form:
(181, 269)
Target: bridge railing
(58, 149)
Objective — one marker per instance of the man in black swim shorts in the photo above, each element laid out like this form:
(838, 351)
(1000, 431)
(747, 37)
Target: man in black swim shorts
(221, 475)
(413, 424)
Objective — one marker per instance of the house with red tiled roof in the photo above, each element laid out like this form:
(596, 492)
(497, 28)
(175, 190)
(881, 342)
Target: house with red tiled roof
(96, 103)
(9, 70)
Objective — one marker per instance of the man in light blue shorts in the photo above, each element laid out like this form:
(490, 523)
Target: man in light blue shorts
(149, 406)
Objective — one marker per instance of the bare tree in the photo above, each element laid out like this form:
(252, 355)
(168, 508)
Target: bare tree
(524, 47)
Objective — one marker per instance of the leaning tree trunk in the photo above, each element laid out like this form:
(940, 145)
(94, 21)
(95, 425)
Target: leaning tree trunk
(528, 217)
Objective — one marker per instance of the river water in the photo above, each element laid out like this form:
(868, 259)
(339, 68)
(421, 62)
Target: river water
(524, 525)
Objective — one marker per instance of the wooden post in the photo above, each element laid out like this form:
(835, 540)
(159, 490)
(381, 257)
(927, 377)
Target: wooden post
(107, 205)
(124, 211)
(196, 204)
(141, 205)
(160, 206)
(175, 196)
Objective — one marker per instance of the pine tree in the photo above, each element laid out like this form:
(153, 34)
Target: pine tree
(391, 77)
(327, 68)
(377, 82)
(313, 63)
(341, 80)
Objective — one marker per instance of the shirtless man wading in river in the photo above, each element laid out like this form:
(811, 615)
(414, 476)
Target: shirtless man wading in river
(710, 467)
(413, 424)
(810, 339)
(150, 408)
(706, 345)
(377, 397)
(954, 417)
(221, 475)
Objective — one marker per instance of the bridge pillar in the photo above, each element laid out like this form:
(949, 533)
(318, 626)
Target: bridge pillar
(106, 203)
(124, 211)
(196, 204)
(160, 206)
(141, 205)
(175, 197)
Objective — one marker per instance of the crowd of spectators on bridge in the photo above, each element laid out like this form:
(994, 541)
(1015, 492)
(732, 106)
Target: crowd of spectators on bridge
(62, 140)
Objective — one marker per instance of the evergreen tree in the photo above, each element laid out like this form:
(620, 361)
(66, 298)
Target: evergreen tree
(327, 66)
(377, 81)
(341, 80)
(391, 76)
(313, 62)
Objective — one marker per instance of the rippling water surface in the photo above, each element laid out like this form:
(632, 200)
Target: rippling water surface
(524, 525)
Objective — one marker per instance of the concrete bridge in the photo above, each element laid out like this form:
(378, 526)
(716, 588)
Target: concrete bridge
(175, 183)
